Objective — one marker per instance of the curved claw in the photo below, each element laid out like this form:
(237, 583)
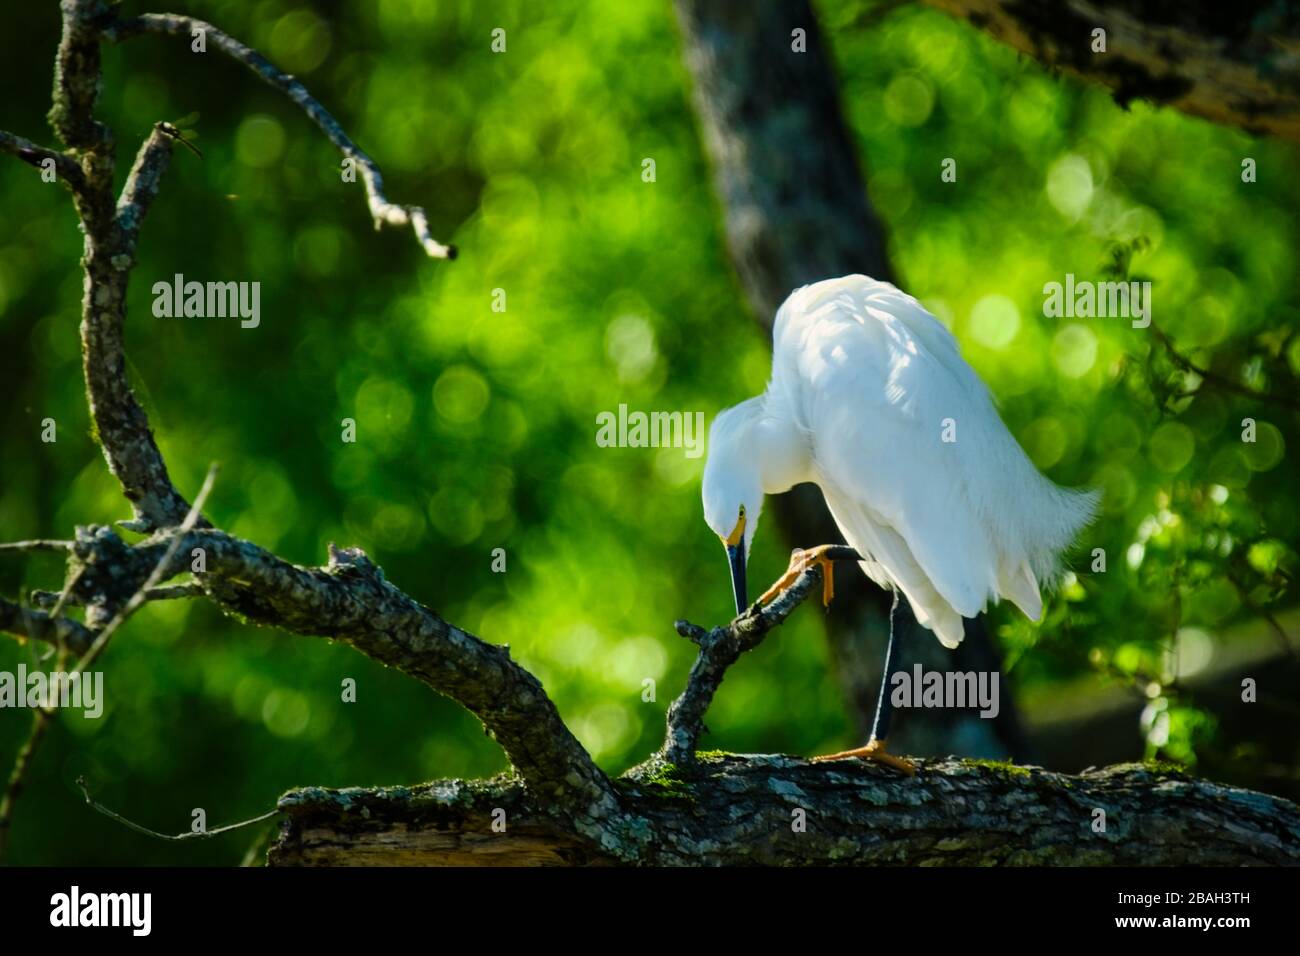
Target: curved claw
(800, 561)
(875, 750)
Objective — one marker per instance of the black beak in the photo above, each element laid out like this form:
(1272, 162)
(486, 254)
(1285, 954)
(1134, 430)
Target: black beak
(736, 556)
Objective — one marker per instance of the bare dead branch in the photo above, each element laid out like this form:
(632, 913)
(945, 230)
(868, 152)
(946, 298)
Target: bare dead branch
(120, 423)
(37, 545)
(88, 655)
(45, 714)
(720, 648)
(18, 776)
(43, 626)
(69, 173)
(382, 211)
(350, 600)
(160, 572)
(111, 229)
(142, 185)
(188, 835)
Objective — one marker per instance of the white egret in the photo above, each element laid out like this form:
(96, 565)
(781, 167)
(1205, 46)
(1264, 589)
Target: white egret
(871, 401)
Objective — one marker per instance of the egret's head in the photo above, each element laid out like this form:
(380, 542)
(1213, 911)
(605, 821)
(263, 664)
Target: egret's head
(733, 494)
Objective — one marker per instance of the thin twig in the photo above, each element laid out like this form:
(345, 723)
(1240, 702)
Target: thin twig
(189, 835)
(66, 594)
(42, 544)
(1243, 592)
(1227, 384)
(45, 713)
(22, 763)
(382, 211)
(40, 720)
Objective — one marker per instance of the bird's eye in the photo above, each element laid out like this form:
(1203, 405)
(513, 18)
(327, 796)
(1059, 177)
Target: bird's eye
(742, 511)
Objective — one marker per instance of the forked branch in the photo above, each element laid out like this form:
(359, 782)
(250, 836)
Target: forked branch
(721, 647)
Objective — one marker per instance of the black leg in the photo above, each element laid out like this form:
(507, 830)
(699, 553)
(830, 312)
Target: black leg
(884, 706)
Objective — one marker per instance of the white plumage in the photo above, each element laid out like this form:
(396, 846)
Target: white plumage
(866, 385)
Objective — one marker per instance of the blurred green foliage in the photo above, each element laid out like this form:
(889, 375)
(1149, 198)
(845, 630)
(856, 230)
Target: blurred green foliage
(476, 428)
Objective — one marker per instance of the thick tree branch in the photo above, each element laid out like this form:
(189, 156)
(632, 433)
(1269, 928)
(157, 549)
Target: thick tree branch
(348, 600)
(351, 601)
(120, 423)
(382, 211)
(1237, 64)
(743, 810)
(76, 77)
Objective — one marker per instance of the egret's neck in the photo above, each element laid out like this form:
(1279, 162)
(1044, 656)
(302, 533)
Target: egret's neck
(779, 447)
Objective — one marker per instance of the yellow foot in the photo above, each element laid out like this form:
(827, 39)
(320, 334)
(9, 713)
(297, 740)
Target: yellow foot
(876, 751)
(800, 561)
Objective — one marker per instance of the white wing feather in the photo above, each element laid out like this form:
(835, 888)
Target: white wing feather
(873, 379)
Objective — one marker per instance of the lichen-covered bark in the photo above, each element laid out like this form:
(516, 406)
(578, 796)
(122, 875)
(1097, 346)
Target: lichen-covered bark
(40, 626)
(120, 422)
(349, 600)
(76, 76)
(1234, 63)
(743, 810)
(112, 226)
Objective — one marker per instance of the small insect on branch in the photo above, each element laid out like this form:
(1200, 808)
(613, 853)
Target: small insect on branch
(170, 131)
